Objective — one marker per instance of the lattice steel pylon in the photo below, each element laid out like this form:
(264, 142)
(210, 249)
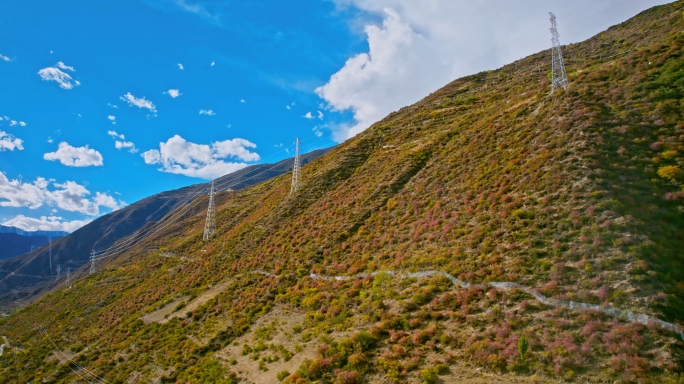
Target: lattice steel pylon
(210, 224)
(68, 275)
(296, 169)
(59, 271)
(92, 262)
(558, 76)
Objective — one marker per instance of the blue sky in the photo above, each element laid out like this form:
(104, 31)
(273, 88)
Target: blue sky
(104, 103)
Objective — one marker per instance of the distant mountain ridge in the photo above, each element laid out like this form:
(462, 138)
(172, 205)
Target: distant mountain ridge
(30, 272)
(53, 234)
(15, 241)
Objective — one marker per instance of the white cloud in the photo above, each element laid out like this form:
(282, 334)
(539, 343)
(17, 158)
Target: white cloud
(69, 196)
(122, 143)
(64, 80)
(317, 130)
(9, 142)
(21, 123)
(126, 145)
(401, 67)
(242, 101)
(236, 148)
(113, 134)
(111, 118)
(421, 46)
(213, 63)
(287, 107)
(153, 156)
(75, 156)
(45, 223)
(310, 115)
(14, 193)
(140, 102)
(4, 58)
(65, 67)
(200, 160)
(197, 9)
(107, 201)
(173, 93)
(207, 112)
(112, 105)
(180, 66)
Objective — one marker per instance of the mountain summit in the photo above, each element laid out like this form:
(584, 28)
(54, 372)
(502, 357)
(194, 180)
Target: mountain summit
(492, 232)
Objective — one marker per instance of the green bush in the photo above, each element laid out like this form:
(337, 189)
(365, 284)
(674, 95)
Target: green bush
(522, 214)
(282, 375)
(365, 340)
(671, 172)
(428, 376)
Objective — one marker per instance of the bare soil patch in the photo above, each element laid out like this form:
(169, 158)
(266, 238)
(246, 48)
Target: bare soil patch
(273, 347)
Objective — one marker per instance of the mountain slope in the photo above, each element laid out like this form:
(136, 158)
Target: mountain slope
(575, 195)
(30, 274)
(14, 244)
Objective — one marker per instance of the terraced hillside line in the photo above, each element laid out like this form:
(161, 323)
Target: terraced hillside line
(507, 285)
(168, 311)
(161, 314)
(200, 300)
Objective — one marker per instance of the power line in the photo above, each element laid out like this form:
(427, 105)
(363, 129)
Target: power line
(145, 233)
(210, 223)
(131, 242)
(55, 349)
(296, 169)
(92, 262)
(106, 252)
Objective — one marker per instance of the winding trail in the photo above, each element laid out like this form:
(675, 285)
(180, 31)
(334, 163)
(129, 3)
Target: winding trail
(611, 311)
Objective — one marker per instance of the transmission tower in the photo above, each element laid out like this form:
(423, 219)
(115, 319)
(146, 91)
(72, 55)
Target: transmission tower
(296, 169)
(92, 262)
(68, 275)
(210, 224)
(59, 271)
(558, 76)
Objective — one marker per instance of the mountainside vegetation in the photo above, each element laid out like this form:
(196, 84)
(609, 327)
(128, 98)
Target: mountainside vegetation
(32, 274)
(577, 194)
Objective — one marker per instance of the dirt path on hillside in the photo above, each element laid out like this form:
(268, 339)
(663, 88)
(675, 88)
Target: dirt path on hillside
(200, 300)
(161, 314)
